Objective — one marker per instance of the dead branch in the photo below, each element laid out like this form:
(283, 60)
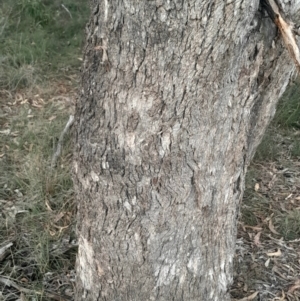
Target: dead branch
(286, 29)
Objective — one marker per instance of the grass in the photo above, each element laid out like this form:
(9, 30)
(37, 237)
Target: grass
(29, 137)
(286, 121)
(41, 44)
(295, 151)
(39, 200)
(289, 225)
(288, 111)
(269, 148)
(39, 40)
(254, 204)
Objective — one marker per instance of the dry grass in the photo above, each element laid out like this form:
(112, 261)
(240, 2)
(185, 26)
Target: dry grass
(37, 201)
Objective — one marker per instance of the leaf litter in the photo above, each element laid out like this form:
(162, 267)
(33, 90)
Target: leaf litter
(267, 259)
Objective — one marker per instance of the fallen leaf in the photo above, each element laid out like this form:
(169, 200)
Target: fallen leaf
(276, 254)
(281, 275)
(272, 228)
(266, 220)
(267, 263)
(288, 268)
(36, 105)
(256, 187)
(288, 196)
(295, 286)
(19, 97)
(256, 239)
(282, 298)
(24, 101)
(51, 118)
(251, 297)
(24, 279)
(255, 228)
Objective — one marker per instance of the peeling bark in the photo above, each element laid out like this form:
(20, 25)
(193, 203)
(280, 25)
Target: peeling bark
(175, 98)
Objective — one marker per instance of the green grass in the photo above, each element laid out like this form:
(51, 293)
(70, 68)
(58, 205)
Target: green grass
(286, 120)
(268, 150)
(39, 39)
(28, 142)
(289, 225)
(295, 151)
(32, 139)
(288, 110)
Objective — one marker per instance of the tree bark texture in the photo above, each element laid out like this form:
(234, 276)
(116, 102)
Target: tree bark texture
(175, 98)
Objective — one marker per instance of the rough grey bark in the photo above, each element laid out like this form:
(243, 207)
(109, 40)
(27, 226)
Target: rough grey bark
(175, 98)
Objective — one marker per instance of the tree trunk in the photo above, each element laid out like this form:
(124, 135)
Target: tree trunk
(175, 98)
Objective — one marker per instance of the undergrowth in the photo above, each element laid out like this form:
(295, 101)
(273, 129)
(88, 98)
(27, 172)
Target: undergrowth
(36, 200)
(40, 53)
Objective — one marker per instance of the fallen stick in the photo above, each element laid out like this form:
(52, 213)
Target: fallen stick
(60, 141)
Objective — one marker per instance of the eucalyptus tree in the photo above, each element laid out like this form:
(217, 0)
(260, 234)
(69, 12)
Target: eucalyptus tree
(175, 97)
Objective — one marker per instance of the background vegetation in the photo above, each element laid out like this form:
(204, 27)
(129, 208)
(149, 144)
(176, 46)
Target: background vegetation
(40, 40)
(40, 56)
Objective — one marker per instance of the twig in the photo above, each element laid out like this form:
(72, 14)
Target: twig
(67, 11)
(60, 141)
